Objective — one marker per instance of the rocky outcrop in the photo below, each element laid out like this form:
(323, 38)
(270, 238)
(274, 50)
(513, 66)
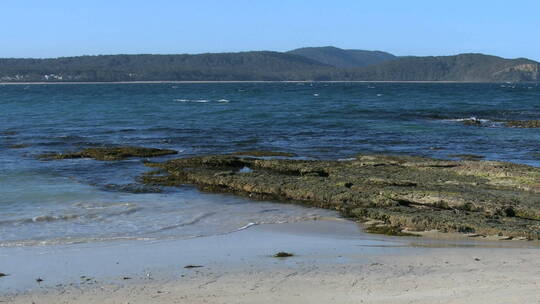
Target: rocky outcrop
(414, 193)
(520, 72)
(523, 123)
(111, 153)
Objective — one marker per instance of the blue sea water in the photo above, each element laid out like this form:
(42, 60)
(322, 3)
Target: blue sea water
(82, 200)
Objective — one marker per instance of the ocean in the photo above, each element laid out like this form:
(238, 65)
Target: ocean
(46, 202)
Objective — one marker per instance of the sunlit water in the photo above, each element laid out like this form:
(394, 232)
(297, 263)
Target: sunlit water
(71, 201)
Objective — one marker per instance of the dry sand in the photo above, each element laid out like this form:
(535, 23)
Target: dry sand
(335, 263)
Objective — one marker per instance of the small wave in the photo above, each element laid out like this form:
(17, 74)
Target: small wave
(246, 226)
(193, 221)
(40, 219)
(52, 218)
(472, 118)
(69, 241)
(93, 206)
(202, 100)
(95, 212)
(193, 100)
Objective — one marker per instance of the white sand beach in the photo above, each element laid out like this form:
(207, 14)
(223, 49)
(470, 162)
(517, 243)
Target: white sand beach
(334, 262)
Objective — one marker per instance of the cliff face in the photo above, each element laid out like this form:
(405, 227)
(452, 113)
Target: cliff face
(521, 72)
(463, 67)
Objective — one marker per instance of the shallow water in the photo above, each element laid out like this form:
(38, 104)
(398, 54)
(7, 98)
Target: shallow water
(71, 201)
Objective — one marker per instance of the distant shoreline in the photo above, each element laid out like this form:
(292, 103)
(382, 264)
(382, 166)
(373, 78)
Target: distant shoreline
(247, 81)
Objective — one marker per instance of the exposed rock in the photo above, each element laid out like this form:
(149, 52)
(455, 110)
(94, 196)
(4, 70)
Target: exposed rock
(111, 153)
(523, 123)
(467, 156)
(483, 197)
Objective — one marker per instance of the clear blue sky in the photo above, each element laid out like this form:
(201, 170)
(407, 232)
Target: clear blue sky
(39, 28)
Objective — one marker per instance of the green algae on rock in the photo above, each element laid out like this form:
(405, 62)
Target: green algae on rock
(111, 153)
(405, 192)
(523, 123)
(467, 156)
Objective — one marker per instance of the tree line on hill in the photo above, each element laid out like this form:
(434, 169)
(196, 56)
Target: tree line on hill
(305, 64)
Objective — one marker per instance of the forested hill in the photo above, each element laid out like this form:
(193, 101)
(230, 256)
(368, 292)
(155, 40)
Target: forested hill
(464, 67)
(343, 58)
(218, 66)
(271, 66)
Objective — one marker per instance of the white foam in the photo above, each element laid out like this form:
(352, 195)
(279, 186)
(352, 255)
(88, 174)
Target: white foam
(472, 118)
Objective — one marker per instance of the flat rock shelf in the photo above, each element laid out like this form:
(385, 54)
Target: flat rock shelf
(404, 193)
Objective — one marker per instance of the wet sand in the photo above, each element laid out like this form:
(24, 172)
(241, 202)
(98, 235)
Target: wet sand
(334, 262)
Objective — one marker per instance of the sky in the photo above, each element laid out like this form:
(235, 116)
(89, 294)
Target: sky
(55, 28)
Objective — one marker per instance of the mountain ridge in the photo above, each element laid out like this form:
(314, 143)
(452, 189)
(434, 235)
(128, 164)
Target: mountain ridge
(343, 58)
(296, 65)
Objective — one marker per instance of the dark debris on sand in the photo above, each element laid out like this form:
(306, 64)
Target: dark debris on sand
(283, 254)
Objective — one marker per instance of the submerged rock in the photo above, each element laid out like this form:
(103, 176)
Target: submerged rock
(19, 146)
(264, 153)
(111, 153)
(523, 123)
(132, 188)
(404, 192)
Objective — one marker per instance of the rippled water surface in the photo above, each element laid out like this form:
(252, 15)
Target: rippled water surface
(44, 202)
